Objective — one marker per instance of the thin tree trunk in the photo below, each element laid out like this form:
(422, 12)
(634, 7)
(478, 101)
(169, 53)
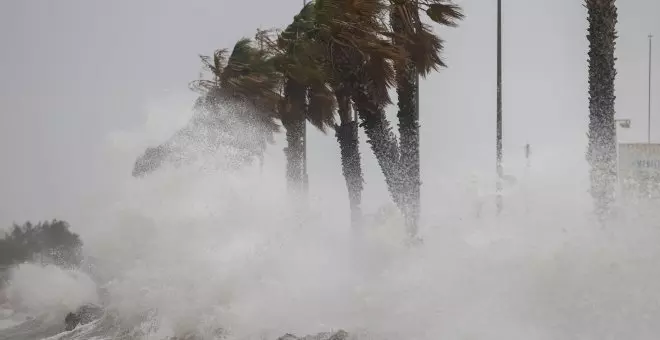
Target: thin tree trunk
(294, 122)
(294, 155)
(382, 141)
(407, 88)
(407, 91)
(347, 136)
(601, 154)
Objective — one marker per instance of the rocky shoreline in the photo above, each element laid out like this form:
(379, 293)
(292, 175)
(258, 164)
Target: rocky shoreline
(89, 313)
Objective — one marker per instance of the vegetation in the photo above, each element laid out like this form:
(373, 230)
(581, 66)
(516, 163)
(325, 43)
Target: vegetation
(346, 48)
(601, 154)
(244, 82)
(336, 59)
(306, 95)
(236, 110)
(334, 66)
(44, 242)
(424, 55)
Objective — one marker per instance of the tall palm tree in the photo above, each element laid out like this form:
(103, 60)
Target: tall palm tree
(320, 73)
(601, 154)
(306, 96)
(364, 50)
(424, 49)
(236, 109)
(355, 39)
(347, 137)
(303, 60)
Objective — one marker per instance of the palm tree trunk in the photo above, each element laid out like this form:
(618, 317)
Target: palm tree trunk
(294, 155)
(601, 154)
(407, 88)
(347, 136)
(382, 141)
(408, 97)
(293, 120)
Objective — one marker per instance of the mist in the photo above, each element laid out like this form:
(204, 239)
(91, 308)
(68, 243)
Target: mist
(212, 249)
(209, 249)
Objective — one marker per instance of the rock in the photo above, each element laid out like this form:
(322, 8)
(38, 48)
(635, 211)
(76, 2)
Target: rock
(83, 315)
(338, 335)
(218, 334)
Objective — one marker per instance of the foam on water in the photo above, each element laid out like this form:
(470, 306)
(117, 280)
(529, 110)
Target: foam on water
(189, 250)
(64, 290)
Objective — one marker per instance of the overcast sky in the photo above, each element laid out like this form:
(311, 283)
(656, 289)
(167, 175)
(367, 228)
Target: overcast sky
(74, 72)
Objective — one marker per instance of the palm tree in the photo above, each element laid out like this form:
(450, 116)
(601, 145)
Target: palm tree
(601, 154)
(315, 68)
(347, 137)
(236, 109)
(424, 49)
(360, 54)
(370, 58)
(302, 60)
(306, 96)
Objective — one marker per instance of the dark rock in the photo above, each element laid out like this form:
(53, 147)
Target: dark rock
(83, 315)
(338, 335)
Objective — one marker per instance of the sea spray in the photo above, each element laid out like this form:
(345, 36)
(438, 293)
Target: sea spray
(49, 289)
(191, 249)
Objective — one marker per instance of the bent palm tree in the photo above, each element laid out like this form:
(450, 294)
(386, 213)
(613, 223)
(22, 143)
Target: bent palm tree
(347, 137)
(303, 60)
(363, 52)
(424, 49)
(601, 154)
(360, 54)
(236, 110)
(317, 71)
(305, 94)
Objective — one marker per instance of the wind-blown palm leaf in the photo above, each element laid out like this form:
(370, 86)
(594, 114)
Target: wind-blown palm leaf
(381, 72)
(425, 50)
(418, 38)
(357, 44)
(321, 106)
(237, 108)
(356, 24)
(446, 14)
(298, 57)
(246, 75)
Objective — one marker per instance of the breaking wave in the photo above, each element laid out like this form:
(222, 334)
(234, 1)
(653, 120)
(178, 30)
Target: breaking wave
(227, 255)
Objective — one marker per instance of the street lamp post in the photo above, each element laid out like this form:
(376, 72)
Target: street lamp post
(305, 176)
(498, 144)
(649, 113)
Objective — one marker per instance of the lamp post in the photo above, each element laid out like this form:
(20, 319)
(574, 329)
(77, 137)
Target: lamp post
(305, 177)
(649, 113)
(498, 143)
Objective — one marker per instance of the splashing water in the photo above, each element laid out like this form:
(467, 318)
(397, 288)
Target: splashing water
(185, 250)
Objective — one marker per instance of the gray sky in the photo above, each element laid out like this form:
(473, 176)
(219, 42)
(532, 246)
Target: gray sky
(72, 72)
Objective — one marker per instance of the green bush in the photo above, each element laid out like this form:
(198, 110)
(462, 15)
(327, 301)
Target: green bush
(50, 242)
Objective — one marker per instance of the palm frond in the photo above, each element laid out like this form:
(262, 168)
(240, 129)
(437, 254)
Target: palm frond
(379, 72)
(425, 49)
(321, 106)
(355, 32)
(445, 13)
